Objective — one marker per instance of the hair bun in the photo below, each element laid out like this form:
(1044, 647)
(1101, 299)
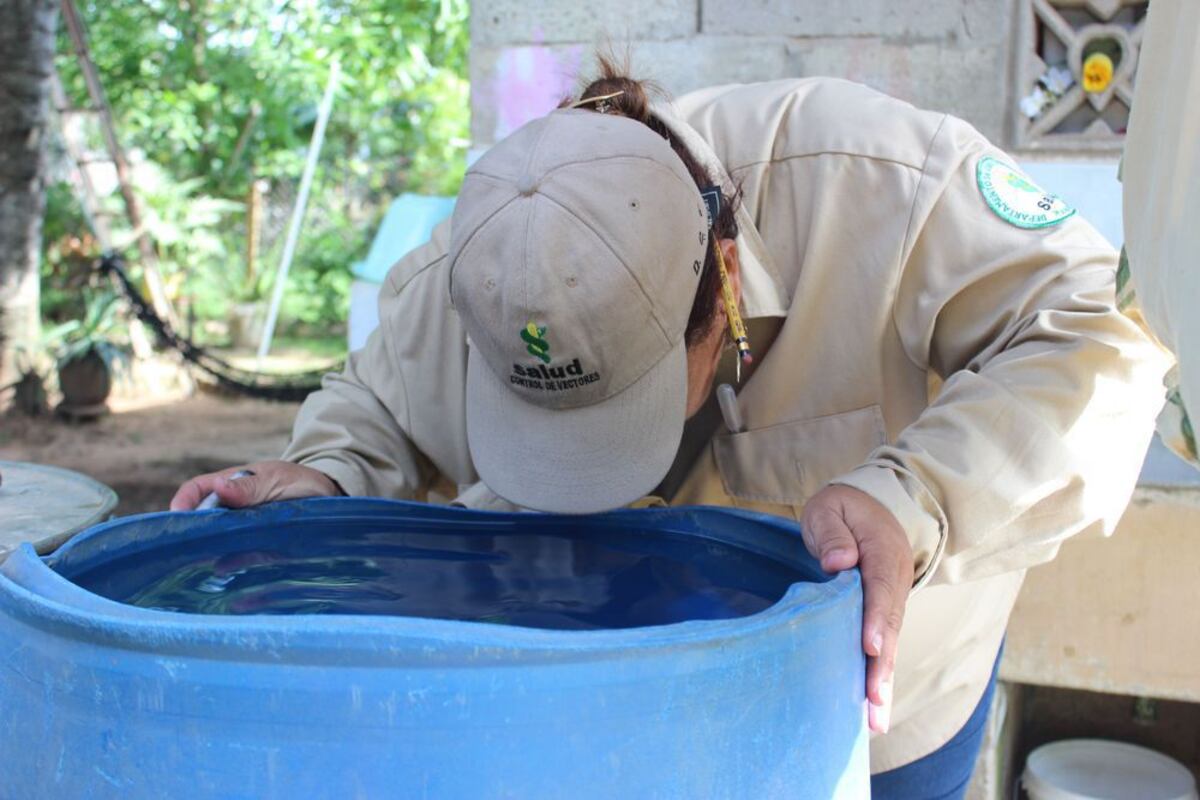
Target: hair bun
(615, 93)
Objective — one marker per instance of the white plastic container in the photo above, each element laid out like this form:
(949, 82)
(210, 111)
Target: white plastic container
(1095, 769)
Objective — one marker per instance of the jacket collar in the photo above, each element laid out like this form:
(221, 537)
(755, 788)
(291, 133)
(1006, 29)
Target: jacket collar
(763, 294)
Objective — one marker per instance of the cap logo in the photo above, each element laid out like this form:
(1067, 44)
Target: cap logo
(537, 347)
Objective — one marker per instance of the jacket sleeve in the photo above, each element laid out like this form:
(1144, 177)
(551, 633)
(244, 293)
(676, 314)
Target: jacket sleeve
(1049, 396)
(356, 428)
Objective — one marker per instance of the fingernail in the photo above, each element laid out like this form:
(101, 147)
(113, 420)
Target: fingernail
(879, 718)
(830, 559)
(877, 643)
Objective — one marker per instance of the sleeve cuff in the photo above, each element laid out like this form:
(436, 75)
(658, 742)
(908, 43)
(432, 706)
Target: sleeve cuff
(479, 497)
(913, 506)
(348, 477)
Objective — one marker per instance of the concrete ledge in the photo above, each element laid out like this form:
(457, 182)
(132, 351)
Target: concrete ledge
(1117, 615)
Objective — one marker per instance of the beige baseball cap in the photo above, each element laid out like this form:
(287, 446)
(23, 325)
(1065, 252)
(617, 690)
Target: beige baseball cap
(576, 249)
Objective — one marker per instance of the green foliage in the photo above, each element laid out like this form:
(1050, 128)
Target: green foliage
(320, 292)
(214, 94)
(99, 330)
(189, 229)
(65, 262)
(185, 78)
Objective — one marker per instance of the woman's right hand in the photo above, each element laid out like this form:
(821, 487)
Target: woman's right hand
(269, 481)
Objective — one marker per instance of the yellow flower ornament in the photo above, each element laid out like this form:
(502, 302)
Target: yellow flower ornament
(1097, 73)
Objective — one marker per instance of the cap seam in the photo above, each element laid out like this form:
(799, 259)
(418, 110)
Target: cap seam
(467, 245)
(525, 253)
(653, 312)
(629, 157)
(617, 256)
(455, 255)
(491, 214)
(508, 181)
(533, 151)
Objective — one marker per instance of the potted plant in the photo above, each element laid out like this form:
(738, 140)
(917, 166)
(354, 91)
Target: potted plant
(86, 351)
(248, 310)
(249, 286)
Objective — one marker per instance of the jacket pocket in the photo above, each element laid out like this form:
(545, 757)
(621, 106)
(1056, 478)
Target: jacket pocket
(790, 462)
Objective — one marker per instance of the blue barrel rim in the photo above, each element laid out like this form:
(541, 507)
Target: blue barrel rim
(249, 518)
(32, 590)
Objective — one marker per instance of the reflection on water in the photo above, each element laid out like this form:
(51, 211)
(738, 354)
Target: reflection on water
(557, 579)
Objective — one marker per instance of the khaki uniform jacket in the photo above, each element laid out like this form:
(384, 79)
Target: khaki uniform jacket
(868, 251)
(1161, 176)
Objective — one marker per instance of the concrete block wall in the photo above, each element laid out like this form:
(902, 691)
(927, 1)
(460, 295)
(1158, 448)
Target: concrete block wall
(949, 55)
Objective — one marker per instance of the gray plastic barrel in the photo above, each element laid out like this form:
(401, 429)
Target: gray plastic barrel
(101, 699)
(46, 505)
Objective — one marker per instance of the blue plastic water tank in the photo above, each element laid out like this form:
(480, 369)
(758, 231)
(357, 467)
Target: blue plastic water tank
(102, 699)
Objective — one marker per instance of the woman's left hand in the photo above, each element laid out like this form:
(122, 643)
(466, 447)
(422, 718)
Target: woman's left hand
(845, 527)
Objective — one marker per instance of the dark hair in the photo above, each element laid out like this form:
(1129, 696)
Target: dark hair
(633, 102)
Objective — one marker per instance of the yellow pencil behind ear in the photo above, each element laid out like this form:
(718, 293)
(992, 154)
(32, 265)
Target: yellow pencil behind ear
(737, 328)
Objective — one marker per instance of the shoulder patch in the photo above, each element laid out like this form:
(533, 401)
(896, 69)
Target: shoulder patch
(1016, 199)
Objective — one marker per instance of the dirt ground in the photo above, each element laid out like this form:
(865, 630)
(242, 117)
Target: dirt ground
(147, 446)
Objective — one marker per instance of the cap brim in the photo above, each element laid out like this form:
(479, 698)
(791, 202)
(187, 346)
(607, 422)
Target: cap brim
(579, 460)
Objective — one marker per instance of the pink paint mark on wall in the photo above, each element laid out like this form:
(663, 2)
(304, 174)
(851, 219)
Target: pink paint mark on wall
(531, 81)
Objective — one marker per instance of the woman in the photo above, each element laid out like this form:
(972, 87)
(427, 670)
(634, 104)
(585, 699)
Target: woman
(556, 348)
(1161, 200)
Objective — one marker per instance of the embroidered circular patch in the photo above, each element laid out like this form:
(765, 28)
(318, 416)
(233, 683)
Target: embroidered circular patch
(1016, 199)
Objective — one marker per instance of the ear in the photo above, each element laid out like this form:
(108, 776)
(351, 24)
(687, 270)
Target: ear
(733, 267)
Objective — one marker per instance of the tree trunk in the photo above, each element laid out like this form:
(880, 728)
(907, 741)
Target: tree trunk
(26, 64)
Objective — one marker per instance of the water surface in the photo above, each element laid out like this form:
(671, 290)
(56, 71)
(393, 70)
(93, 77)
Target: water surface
(545, 579)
